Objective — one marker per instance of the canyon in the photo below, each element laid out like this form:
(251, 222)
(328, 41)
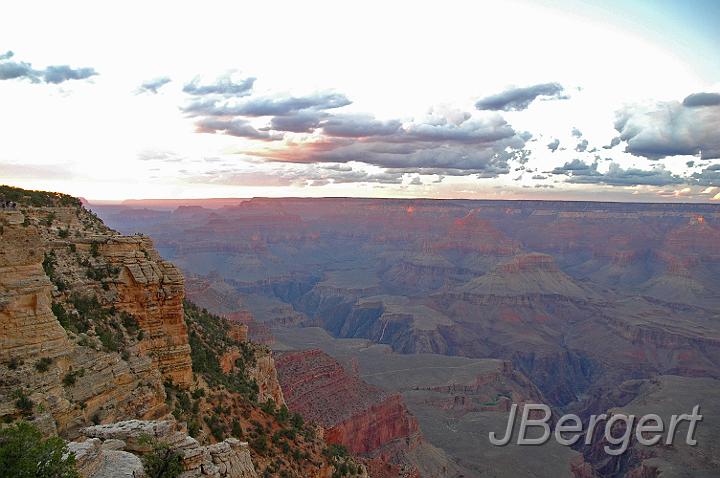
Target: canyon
(579, 305)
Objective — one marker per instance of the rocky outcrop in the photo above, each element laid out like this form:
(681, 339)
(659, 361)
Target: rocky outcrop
(95, 460)
(151, 289)
(227, 459)
(265, 375)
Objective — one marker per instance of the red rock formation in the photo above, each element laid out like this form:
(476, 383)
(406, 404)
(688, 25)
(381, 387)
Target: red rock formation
(375, 427)
(354, 413)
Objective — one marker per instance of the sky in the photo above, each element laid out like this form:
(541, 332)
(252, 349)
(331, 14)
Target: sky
(515, 99)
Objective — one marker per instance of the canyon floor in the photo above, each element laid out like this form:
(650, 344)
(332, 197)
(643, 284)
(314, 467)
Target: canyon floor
(446, 312)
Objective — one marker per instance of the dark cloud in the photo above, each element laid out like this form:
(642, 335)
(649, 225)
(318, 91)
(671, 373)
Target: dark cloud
(582, 173)
(234, 127)
(54, 74)
(613, 142)
(553, 145)
(435, 145)
(303, 122)
(516, 99)
(419, 157)
(224, 86)
(670, 129)
(152, 86)
(702, 99)
(576, 167)
(475, 131)
(359, 127)
(267, 105)
(709, 176)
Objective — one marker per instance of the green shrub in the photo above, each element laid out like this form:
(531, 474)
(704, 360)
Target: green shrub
(64, 233)
(193, 428)
(43, 365)
(283, 414)
(268, 407)
(236, 429)
(162, 462)
(23, 403)
(297, 421)
(260, 444)
(335, 451)
(25, 454)
(71, 377)
(61, 314)
(110, 340)
(49, 263)
(49, 219)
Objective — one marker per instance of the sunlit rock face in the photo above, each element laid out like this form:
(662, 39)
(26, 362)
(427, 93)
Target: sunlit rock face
(50, 256)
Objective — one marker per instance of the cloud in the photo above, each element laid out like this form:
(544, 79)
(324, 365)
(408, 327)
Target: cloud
(234, 127)
(359, 126)
(152, 86)
(709, 176)
(266, 105)
(59, 74)
(582, 173)
(481, 146)
(577, 133)
(11, 70)
(702, 99)
(613, 142)
(224, 86)
(553, 145)
(576, 167)
(54, 74)
(302, 122)
(474, 131)
(516, 99)
(582, 146)
(306, 175)
(158, 155)
(664, 129)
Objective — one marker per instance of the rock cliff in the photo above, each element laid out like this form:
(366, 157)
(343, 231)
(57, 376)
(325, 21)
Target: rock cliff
(94, 330)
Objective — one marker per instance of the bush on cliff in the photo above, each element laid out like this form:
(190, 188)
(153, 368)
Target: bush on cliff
(25, 454)
(161, 461)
